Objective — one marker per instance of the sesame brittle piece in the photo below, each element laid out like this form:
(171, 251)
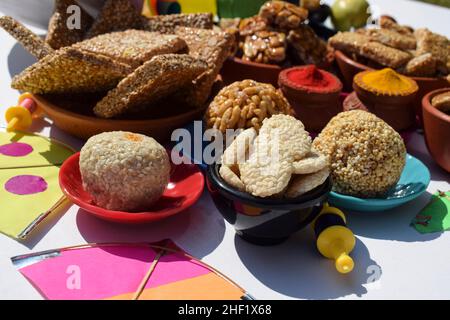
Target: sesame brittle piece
(212, 47)
(155, 79)
(71, 70)
(389, 23)
(349, 42)
(421, 66)
(116, 15)
(133, 47)
(392, 38)
(29, 40)
(169, 23)
(385, 55)
(59, 35)
(437, 45)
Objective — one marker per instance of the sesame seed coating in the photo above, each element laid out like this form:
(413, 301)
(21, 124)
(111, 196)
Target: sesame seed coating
(133, 47)
(71, 70)
(169, 23)
(124, 171)
(116, 15)
(367, 156)
(155, 79)
(59, 35)
(29, 40)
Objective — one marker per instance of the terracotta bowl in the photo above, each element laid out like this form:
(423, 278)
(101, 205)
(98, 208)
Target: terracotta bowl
(349, 68)
(78, 121)
(437, 130)
(315, 109)
(236, 69)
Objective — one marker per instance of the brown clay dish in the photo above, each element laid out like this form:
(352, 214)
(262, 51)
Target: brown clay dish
(437, 130)
(349, 68)
(236, 69)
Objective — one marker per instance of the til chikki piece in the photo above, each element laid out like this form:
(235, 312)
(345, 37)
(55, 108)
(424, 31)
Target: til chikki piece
(59, 34)
(169, 23)
(389, 23)
(116, 15)
(29, 40)
(349, 42)
(384, 55)
(436, 44)
(212, 47)
(392, 38)
(155, 79)
(71, 70)
(133, 47)
(421, 66)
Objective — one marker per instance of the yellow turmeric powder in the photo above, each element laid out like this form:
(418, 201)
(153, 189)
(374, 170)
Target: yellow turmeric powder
(386, 82)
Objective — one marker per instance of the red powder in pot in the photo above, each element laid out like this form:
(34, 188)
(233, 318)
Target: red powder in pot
(313, 77)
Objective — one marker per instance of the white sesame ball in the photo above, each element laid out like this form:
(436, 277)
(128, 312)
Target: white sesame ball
(124, 171)
(367, 156)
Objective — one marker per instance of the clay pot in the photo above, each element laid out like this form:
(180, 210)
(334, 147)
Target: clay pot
(397, 111)
(236, 69)
(314, 109)
(437, 130)
(349, 68)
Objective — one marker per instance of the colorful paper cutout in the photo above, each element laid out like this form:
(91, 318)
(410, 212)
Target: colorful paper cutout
(29, 187)
(435, 217)
(115, 271)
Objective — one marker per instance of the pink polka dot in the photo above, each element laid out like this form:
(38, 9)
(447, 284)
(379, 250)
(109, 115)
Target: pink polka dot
(16, 149)
(26, 185)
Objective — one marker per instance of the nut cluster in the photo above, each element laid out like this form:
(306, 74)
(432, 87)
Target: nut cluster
(265, 47)
(245, 104)
(283, 15)
(367, 156)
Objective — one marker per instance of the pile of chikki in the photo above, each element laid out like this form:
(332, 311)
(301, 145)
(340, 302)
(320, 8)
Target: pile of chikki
(134, 61)
(278, 35)
(419, 53)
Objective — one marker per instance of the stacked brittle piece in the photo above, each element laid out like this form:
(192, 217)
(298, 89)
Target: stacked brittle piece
(417, 53)
(133, 62)
(278, 35)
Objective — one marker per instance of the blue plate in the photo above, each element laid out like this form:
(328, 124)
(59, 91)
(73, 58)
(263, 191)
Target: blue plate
(413, 182)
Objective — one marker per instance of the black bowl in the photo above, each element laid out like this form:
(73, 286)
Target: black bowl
(265, 221)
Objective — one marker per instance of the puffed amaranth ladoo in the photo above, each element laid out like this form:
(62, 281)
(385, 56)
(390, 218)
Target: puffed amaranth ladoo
(59, 34)
(212, 47)
(169, 23)
(116, 15)
(28, 39)
(155, 79)
(70, 70)
(133, 47)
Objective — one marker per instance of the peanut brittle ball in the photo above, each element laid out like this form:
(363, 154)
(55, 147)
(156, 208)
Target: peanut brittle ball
(124, 171)
(245, 104)
(367, 156)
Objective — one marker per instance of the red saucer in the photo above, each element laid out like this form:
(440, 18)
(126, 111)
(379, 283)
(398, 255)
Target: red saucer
(184, 189)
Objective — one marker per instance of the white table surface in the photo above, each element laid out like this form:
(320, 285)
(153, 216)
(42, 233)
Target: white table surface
(412, 266)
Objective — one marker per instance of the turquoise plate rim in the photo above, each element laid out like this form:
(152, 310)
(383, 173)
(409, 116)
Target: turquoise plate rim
(360, 202)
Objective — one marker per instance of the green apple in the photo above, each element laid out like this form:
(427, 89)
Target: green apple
(346, 14)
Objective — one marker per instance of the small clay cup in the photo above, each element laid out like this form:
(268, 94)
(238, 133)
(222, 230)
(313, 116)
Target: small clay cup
(437, 130)
(398, 111)
(315, 109)
(236, 69)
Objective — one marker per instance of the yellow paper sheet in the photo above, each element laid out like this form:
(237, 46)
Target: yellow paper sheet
(19, 211)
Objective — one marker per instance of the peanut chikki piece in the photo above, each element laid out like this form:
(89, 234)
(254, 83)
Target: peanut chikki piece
(392, 38)
(116, 15)
(155, 79)
(133, 47)
(421, 66)
(70, 70)
(212, 47)
(437, 45)
(169, 23)
(29, 40)
(385, 55)
(59, 35)
(308, 46)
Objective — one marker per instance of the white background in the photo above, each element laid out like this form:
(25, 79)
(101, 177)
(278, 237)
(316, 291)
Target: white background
(413, 266)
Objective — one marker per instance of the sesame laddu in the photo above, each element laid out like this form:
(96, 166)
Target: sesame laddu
(59, 34)
(169, 23)
(71, 70)
(155, 79)
(116, 15)
(133, 47)
(29, 40)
